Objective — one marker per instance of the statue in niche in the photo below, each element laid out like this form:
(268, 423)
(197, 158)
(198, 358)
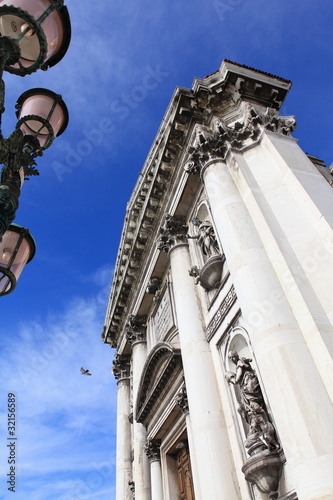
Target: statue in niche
(206, 237)
(252, 406)
(260, 428)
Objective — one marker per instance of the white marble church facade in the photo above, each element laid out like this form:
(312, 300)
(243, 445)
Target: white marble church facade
(221, 306)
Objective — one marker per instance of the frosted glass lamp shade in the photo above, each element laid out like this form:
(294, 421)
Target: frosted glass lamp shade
(43, 114)
(17, 248)
(42, 30)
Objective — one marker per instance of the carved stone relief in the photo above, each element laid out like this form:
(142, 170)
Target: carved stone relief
(163, 317)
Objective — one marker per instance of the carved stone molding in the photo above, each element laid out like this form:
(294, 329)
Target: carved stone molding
(136, 329)
(221, 313)
(182, 401)
(152, 449)
(121, 366)
(173, 232)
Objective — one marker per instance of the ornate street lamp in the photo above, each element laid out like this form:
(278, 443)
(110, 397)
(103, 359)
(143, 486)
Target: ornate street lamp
(34, 34)
(17, 248)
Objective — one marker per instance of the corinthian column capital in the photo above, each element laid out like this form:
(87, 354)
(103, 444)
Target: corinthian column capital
(152, 449)
(172, 232)
(215, 142)
(136, 329)
(121, 366)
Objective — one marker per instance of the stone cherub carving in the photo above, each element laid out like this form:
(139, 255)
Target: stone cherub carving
(260, 428)
(252, 406)
(206, 237)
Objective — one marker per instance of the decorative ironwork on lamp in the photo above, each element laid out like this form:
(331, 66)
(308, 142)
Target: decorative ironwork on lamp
(34, 34)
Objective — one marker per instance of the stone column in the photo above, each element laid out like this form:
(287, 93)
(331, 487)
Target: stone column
(301, 407)
(152, 450)
(121, 371)
(136, 335)
(207, 420)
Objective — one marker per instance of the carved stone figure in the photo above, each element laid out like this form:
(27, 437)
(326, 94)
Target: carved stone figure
(182, 401)
(153, 285)
(260, 428)
(206, 237)
(248, 382)
(252, 406)
(195, 273)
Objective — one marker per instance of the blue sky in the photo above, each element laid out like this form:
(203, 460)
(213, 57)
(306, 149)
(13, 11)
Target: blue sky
(123, 64)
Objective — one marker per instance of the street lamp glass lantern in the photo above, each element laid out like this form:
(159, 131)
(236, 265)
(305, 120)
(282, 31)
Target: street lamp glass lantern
(17, 248)
(42, 30)
(43, 114)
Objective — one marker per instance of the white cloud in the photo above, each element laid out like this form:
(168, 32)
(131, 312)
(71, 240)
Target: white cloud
(65, 420)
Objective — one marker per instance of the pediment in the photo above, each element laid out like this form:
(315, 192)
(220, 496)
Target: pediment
(163, 365)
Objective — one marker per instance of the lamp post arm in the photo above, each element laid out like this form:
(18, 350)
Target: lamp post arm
(10, 189)
(17, 154)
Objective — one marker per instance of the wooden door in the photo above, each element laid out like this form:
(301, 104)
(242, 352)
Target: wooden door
(185, 483)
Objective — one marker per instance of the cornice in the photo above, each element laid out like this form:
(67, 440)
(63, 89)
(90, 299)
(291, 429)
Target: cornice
(219, 95)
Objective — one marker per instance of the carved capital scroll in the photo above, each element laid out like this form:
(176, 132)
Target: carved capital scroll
(152, 449)
(136, 328)
(173, 232)
(215, 143)
(121, 366)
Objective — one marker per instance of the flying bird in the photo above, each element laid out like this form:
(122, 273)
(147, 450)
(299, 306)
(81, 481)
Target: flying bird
(84, 372)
